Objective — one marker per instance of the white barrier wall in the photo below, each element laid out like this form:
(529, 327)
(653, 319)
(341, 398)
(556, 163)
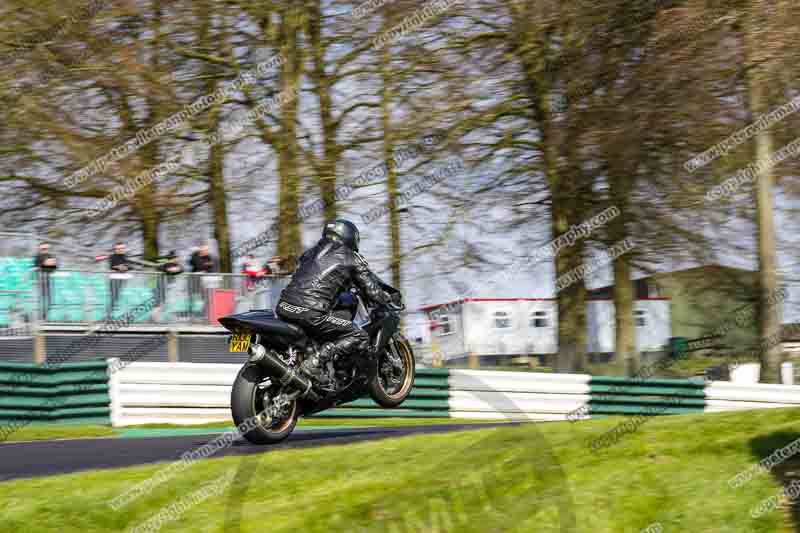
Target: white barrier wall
(172, 393)
(190, 393)
(726, 396)
(516, 395)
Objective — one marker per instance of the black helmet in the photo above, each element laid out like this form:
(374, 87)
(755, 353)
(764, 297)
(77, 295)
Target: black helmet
(343, 231)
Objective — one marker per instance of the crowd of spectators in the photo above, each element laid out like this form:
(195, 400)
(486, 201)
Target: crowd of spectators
(120, 265)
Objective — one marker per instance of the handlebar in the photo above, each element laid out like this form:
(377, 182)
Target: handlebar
(396, 307)
(395, 301)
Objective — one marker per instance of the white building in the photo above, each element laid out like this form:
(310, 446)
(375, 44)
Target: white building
(500, 329)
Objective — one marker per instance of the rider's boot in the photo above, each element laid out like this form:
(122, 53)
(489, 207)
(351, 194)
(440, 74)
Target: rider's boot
(313, 366)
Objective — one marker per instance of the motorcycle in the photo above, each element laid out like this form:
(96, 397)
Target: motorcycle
(270, 393)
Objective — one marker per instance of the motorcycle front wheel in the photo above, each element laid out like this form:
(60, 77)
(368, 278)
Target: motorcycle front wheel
(393, 377)
(252, 406)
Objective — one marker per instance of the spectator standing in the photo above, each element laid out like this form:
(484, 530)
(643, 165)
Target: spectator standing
(169, 267)
(120, 265)
(254, 272)
(46, 263)
(193, 257)
(272, 264)
(282, 265)
(201, 262)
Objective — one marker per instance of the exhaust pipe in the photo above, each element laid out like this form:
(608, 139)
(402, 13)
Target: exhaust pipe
(276, 368)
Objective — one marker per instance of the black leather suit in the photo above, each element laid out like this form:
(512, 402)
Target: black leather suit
(323, 272)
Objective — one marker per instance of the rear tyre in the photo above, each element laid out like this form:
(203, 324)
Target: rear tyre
(393, 377)
(249, 403)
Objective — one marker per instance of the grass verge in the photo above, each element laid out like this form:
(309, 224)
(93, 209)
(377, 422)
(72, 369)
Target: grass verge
(674, 471)
(316, 422)
(53, 432)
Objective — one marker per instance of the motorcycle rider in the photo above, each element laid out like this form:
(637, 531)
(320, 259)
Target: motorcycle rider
(323, 272)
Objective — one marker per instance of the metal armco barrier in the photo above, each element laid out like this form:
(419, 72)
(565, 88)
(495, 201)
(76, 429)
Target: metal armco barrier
(170, 393)
(189, 393)
(630, 396)
(74, 393)
(725, 396)
(428, 399)
(516, 395)
(194, 393)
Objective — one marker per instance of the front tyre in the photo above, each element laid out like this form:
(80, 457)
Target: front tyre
(392, 382)
(255, 403)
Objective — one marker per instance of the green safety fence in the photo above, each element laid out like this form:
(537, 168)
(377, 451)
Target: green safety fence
(631, 396)
(429, 398)
(69, 393)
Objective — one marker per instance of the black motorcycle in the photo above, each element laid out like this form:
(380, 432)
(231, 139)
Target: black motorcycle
(270, 393)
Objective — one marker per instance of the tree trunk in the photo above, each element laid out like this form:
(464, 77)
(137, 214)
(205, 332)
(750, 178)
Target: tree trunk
(289, 237)
(564, 192)
(217, 197)
(330, 156)
(768, 317)
(626, 355)
(571, 300)
(388, 155)
(566, 197)
(145, 198)
(218, 200)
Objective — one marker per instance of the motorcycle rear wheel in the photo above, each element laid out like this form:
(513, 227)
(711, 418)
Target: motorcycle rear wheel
(248, 402)
(379, 386)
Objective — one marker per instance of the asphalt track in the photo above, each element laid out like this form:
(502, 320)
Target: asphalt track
(44, 458)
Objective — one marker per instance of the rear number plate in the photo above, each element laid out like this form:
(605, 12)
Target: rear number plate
(240, 342)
